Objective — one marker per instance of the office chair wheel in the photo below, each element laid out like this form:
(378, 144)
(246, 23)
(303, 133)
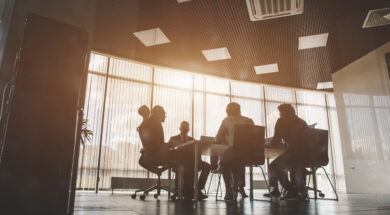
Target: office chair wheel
(133, 196)
(321, 195)
(142, 197)
(156, 196)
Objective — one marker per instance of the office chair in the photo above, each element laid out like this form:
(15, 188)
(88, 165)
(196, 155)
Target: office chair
(249, 145)
(155, 167)
(248, 148)
(318, 158)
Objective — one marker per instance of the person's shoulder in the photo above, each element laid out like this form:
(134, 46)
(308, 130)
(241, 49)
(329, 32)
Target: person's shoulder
(300, 119)
(303, 122)
(280, 120)
(248, 119)
(175, 137)
(190, 138)
(225, 120)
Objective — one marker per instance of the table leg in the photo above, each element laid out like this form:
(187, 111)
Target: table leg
(180, 182)
(314, 183)
(196, 159)
(251, 183)
(169, 183)
(268, 169)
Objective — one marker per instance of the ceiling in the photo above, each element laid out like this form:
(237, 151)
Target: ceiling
(206, 24)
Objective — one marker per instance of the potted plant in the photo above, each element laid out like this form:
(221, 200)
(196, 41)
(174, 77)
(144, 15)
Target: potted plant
(86, 136)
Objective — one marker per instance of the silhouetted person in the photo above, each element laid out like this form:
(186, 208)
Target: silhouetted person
(154, 151)
(293, 130)
(225, 135)
(186, 157)
(144, 111)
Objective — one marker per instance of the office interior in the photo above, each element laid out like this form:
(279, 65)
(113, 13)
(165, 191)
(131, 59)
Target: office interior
(74, 74)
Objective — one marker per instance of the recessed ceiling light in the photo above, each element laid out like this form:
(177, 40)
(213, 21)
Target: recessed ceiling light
(324, 85)
(152, 37)
(182, 1)
(269, 68)
(313, 41)
(216, 54)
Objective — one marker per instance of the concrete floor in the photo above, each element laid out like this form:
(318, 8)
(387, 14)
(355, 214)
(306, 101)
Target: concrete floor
(89, 203)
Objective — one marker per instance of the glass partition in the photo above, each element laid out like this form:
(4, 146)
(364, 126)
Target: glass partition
(112, 101)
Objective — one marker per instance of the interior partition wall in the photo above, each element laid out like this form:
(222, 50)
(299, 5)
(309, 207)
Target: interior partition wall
(117, 88)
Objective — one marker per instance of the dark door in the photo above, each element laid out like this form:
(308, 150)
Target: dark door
(42, 135)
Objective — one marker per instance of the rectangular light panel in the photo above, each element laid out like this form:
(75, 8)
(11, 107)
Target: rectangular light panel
(264, 69)
(324, 85)
(313, 41)
(182, 1)
(216, 54)
(152, 37)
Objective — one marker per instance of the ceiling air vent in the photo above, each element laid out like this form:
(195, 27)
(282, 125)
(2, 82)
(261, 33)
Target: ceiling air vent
(270, 9)
(377, 17)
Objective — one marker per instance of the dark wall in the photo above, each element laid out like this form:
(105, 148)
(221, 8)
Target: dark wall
(40, 144)
(76, 12)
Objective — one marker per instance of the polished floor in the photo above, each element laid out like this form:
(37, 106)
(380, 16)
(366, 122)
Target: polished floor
(88, 203)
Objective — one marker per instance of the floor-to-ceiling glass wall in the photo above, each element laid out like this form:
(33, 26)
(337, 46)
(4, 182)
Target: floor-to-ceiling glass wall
(117, 88)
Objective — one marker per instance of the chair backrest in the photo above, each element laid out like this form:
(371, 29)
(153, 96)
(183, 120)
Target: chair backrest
(248, 144)
(317, 148)
(144, 135)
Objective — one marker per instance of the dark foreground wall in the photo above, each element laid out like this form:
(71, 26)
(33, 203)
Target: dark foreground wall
(41, 140)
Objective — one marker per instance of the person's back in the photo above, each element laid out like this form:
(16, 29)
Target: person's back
(229, 166)
(151, 132)
(226, 132)
(292, 130)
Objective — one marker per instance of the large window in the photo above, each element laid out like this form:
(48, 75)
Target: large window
(117, 88)
(173, 91)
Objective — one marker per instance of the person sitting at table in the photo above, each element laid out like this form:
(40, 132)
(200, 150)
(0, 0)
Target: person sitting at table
(186, 158)
(154, 152)
(293, 130)
(232, 170)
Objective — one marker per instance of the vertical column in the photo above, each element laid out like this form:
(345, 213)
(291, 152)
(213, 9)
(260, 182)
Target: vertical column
(230, 91)
(193, 104)
(331, 141)
(102, 126)
(151, 103)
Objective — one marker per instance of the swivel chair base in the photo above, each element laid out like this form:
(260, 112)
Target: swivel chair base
(157, 187)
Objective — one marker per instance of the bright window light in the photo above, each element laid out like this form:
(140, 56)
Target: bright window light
(324, 85)
(313, 41)
(152, 37)
(264, 69)
(216, 54)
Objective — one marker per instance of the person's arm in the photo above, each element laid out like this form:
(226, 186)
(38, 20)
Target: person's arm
(278, 133)
(171, 142)
(221, 134)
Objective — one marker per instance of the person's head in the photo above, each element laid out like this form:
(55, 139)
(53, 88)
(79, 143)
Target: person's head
(286, 110)
(159, 113)
(144, 111)
(233, 109)
(184, 127)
